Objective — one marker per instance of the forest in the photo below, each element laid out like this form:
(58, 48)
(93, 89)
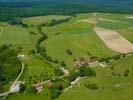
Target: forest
(10, 66)
(10, 10)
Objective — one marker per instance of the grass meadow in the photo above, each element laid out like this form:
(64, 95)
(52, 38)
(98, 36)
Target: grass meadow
(109, 86)
(79, 38)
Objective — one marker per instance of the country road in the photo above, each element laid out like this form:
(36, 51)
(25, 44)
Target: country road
(13, 86)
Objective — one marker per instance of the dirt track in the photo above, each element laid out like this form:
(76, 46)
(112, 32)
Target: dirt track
(114, 40)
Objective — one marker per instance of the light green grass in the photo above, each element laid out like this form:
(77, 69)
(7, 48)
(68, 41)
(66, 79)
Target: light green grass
(19, 37)
(15, 35)
(106, 82)
(79, 37)
(127, 33)
(117, 17)
(114, 25)
(38, 69)
(44, 95)
(42, 19)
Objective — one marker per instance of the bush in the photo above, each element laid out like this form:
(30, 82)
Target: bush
(126, 73)
(85, 70)
(63, 64)
(69, 52)
(92, 86)
(33, 33)
(58, 72)
(72, 77)
(32, 51)
(56, 61)
(22, 88)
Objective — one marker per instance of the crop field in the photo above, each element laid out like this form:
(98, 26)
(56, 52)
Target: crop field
(114, 41)
(109, 85)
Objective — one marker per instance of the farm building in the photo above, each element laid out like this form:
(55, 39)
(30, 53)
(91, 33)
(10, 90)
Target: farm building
(91, 62)
(48, 84)
(39, 86)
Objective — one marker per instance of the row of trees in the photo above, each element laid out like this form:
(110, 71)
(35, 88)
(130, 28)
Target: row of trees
(116, 57)
(55, 22)
(17, 21)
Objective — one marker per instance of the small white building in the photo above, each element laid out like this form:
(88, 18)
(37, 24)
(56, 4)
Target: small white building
(38, 87)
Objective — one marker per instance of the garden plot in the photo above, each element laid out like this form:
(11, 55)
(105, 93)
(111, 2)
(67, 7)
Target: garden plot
(114, 41)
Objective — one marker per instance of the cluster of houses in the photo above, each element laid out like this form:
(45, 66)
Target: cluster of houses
(91, 62)
(39, 86)
(48, 84)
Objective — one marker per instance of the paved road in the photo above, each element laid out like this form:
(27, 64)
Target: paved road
(13, 86)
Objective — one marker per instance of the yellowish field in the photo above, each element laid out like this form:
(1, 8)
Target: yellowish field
(114, 41)
(42, 19)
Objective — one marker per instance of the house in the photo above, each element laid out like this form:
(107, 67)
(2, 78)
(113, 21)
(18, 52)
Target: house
(79, 63)
(21, 57)
(38, 87)
(91, 62)
(48, 84)
(65, 71)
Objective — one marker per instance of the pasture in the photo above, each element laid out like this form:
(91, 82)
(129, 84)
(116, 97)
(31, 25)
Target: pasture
(127, 33)
(42, 19)
(37, 70)
(110, 86)
(18, 36)
(79, 38)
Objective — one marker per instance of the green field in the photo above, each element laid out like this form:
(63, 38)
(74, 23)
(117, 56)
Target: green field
(107, 84)
(127, 33)
(114, 25)
(42, 19)
(79, 37)
(38, 69)
(15, 35)
(18, 36)
(29, 96)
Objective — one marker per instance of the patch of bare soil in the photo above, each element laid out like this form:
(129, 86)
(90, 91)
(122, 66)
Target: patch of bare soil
(114, 40)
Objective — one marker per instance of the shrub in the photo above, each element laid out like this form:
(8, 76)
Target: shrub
(85, 70)
(63, 64)
(69, 52)
(33, 33)
(32, 51)
(126, 73)
(22, 88)
(92, 86)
